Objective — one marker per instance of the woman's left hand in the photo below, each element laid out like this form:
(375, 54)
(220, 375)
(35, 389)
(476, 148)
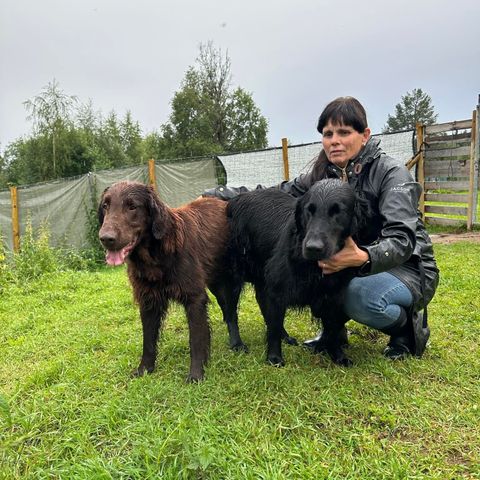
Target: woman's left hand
(349, 256)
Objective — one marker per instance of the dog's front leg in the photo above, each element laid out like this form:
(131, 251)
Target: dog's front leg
(199, 330)
(152, 314)
(333, 320)
(274, 314)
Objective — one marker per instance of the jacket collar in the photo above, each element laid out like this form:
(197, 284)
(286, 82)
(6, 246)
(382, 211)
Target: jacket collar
(367, 154)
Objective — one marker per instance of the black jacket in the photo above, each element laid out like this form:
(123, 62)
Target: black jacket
(396, 239)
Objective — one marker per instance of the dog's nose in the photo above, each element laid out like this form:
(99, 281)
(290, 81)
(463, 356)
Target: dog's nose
(314, 249)
(108, 240)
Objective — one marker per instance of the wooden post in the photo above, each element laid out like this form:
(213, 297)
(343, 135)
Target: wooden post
(152, 179)
(471, 183)
(286, 170)
(15, 222)
(421, 168)
(476, 210)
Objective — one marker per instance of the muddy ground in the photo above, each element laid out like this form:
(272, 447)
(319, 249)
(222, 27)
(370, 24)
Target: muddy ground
(455, 237)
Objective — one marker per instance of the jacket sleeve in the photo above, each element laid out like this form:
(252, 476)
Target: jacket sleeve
(398, 208)
(226, 193)
(296, 187)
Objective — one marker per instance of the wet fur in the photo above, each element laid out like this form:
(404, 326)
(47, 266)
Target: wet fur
(278, 241)
(177, 254)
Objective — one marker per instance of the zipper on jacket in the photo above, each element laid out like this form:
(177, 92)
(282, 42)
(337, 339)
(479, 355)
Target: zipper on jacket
(344, 174)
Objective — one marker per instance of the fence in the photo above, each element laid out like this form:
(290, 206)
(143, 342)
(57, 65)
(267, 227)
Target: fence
(66, 205)
(448, 168)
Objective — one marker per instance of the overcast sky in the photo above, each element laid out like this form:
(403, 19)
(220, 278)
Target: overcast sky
(293, 56)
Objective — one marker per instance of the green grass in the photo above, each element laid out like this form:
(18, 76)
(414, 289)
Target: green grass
(461, 218)
(69, 410)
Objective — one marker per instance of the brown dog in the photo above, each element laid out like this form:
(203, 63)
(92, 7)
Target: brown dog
(171, 254)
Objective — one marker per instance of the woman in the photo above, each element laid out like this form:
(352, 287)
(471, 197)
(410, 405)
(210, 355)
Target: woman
(397, 272)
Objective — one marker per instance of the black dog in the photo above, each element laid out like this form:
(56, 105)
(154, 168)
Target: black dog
(278, 242)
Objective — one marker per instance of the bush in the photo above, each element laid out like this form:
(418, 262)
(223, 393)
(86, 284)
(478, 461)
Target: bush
(36, 258)
(5, 267)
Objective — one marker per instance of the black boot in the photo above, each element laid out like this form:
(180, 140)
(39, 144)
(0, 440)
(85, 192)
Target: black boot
(317, 345)
(401, 341)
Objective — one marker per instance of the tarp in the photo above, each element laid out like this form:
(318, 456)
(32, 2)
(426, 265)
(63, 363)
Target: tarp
(67, 206)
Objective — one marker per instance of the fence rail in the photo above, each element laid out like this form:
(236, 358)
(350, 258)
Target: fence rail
(448, 167)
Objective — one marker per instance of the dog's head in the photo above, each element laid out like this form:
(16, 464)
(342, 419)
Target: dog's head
(325, 216)
(128, 213)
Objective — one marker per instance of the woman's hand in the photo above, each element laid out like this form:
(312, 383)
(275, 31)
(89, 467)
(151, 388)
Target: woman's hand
(349, 256)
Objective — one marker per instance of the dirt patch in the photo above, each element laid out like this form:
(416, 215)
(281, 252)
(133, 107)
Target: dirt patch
(456, 237)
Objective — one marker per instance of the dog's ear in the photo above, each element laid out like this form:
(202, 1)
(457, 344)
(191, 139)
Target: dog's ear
(158, 213)
(165, 224)
(299, 216)
(100, 213)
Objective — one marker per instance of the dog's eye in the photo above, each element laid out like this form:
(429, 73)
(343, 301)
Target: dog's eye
(132, 207)
(311, 208)
(105, 206)
(334, 210)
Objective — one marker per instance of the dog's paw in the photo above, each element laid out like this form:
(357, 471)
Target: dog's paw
(343, 361)
(290, 340)
(276, 360)
(194, 378)
(141, 370)
(240, 347)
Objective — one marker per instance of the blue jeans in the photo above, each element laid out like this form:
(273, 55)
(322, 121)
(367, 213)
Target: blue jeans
(376, 300)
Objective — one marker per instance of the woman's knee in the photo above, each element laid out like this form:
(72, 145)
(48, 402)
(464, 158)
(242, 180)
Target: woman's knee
(376, 302)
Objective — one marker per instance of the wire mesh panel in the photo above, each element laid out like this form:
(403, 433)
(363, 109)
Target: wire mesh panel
(398, 145)
(302, 157)
(265, 167)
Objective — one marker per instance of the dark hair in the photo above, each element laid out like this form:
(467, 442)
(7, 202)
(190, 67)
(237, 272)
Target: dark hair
(344, 110)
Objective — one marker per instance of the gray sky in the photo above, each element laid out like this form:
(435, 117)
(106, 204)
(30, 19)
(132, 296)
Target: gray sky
(293, 56)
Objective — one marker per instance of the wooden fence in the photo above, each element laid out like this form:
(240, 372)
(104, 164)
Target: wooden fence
(447, 164)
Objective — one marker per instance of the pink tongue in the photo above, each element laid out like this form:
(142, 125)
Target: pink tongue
(115, 258)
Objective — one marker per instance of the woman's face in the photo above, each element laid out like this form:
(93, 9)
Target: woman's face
(342, 143)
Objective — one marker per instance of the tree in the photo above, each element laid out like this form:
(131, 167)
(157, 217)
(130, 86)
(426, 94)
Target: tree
(246, 127)
(51, 114)
(415, 107)
(131, 138)
(207, 117)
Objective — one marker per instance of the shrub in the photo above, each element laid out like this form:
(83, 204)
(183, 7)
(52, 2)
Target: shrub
(35, 256)
(6, 276)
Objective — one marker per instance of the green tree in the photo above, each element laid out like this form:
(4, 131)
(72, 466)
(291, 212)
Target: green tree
(131, 139)
(51, 112)
(207, 116)
(247, 128)
(415, 107)
(69, 138)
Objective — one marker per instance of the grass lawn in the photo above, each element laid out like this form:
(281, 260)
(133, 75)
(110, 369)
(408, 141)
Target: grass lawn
(69, 410)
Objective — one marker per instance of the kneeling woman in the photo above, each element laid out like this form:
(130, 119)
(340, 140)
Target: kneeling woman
(397, 272)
